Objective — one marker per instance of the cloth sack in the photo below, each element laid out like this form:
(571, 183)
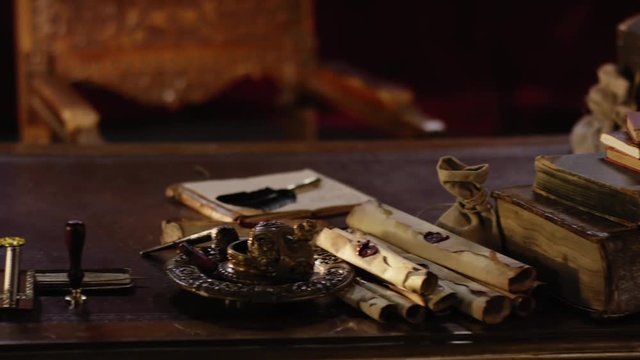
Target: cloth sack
(472, 216)
(608, 103)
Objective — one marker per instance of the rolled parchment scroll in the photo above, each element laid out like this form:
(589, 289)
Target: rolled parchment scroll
(409, 310)
(440, 300)
(416, 236)
(377, 260)
(481, 302)
(375, 306)
(521, 304)
(443, 297)
(477, 300)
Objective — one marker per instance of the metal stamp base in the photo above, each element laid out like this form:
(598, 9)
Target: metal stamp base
(25, 293)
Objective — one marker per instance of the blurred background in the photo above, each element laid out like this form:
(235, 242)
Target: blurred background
(484, 67)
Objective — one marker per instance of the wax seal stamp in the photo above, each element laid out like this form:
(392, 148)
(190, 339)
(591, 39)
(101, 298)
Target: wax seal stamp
(74, 232)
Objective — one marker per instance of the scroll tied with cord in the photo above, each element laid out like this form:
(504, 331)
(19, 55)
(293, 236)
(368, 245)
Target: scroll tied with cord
(472, 216)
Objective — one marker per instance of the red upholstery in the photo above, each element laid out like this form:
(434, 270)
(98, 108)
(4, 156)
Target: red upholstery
(485, 67)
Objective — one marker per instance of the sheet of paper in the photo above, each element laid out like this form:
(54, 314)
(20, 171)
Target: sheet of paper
(328, 193)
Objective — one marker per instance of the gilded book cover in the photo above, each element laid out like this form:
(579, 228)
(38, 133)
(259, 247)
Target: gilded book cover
(591, 183)
(586, 259)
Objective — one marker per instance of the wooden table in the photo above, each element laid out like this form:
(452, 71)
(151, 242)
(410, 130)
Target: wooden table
(118, 191)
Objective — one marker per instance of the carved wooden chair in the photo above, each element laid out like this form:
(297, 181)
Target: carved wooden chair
(174, 54)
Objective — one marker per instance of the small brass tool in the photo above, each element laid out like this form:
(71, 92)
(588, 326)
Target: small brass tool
(12, 245)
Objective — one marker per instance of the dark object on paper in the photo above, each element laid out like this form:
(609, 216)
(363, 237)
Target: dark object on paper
(198, 258)
(367, 248)
(267, 199)
(434, 237)
(329, 198)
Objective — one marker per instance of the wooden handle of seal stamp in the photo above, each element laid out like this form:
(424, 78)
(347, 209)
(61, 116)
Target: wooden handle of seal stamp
(74, 234)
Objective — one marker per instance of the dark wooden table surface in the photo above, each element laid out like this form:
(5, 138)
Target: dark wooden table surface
(118, 191)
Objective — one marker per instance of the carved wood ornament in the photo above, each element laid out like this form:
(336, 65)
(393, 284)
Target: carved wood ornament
(171, 53)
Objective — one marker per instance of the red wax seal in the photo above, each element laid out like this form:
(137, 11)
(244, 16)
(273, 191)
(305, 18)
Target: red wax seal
(434, 237)
(366, 248)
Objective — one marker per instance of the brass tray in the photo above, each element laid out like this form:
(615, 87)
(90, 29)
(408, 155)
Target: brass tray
(330, 275)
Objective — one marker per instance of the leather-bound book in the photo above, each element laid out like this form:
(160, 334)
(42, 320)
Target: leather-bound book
(621, 159)
(587, 260)
(591, 183)
(622, 142)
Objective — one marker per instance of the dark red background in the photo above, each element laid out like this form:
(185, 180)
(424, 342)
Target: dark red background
(485, 67)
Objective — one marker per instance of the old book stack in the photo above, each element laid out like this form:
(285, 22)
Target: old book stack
(623, 147)
(578, 225)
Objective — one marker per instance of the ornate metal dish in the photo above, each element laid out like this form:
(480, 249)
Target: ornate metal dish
(330, 274)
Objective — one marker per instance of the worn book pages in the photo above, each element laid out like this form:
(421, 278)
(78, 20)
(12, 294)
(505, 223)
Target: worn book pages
(329, 197)
(615, 157)
(620, 141)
